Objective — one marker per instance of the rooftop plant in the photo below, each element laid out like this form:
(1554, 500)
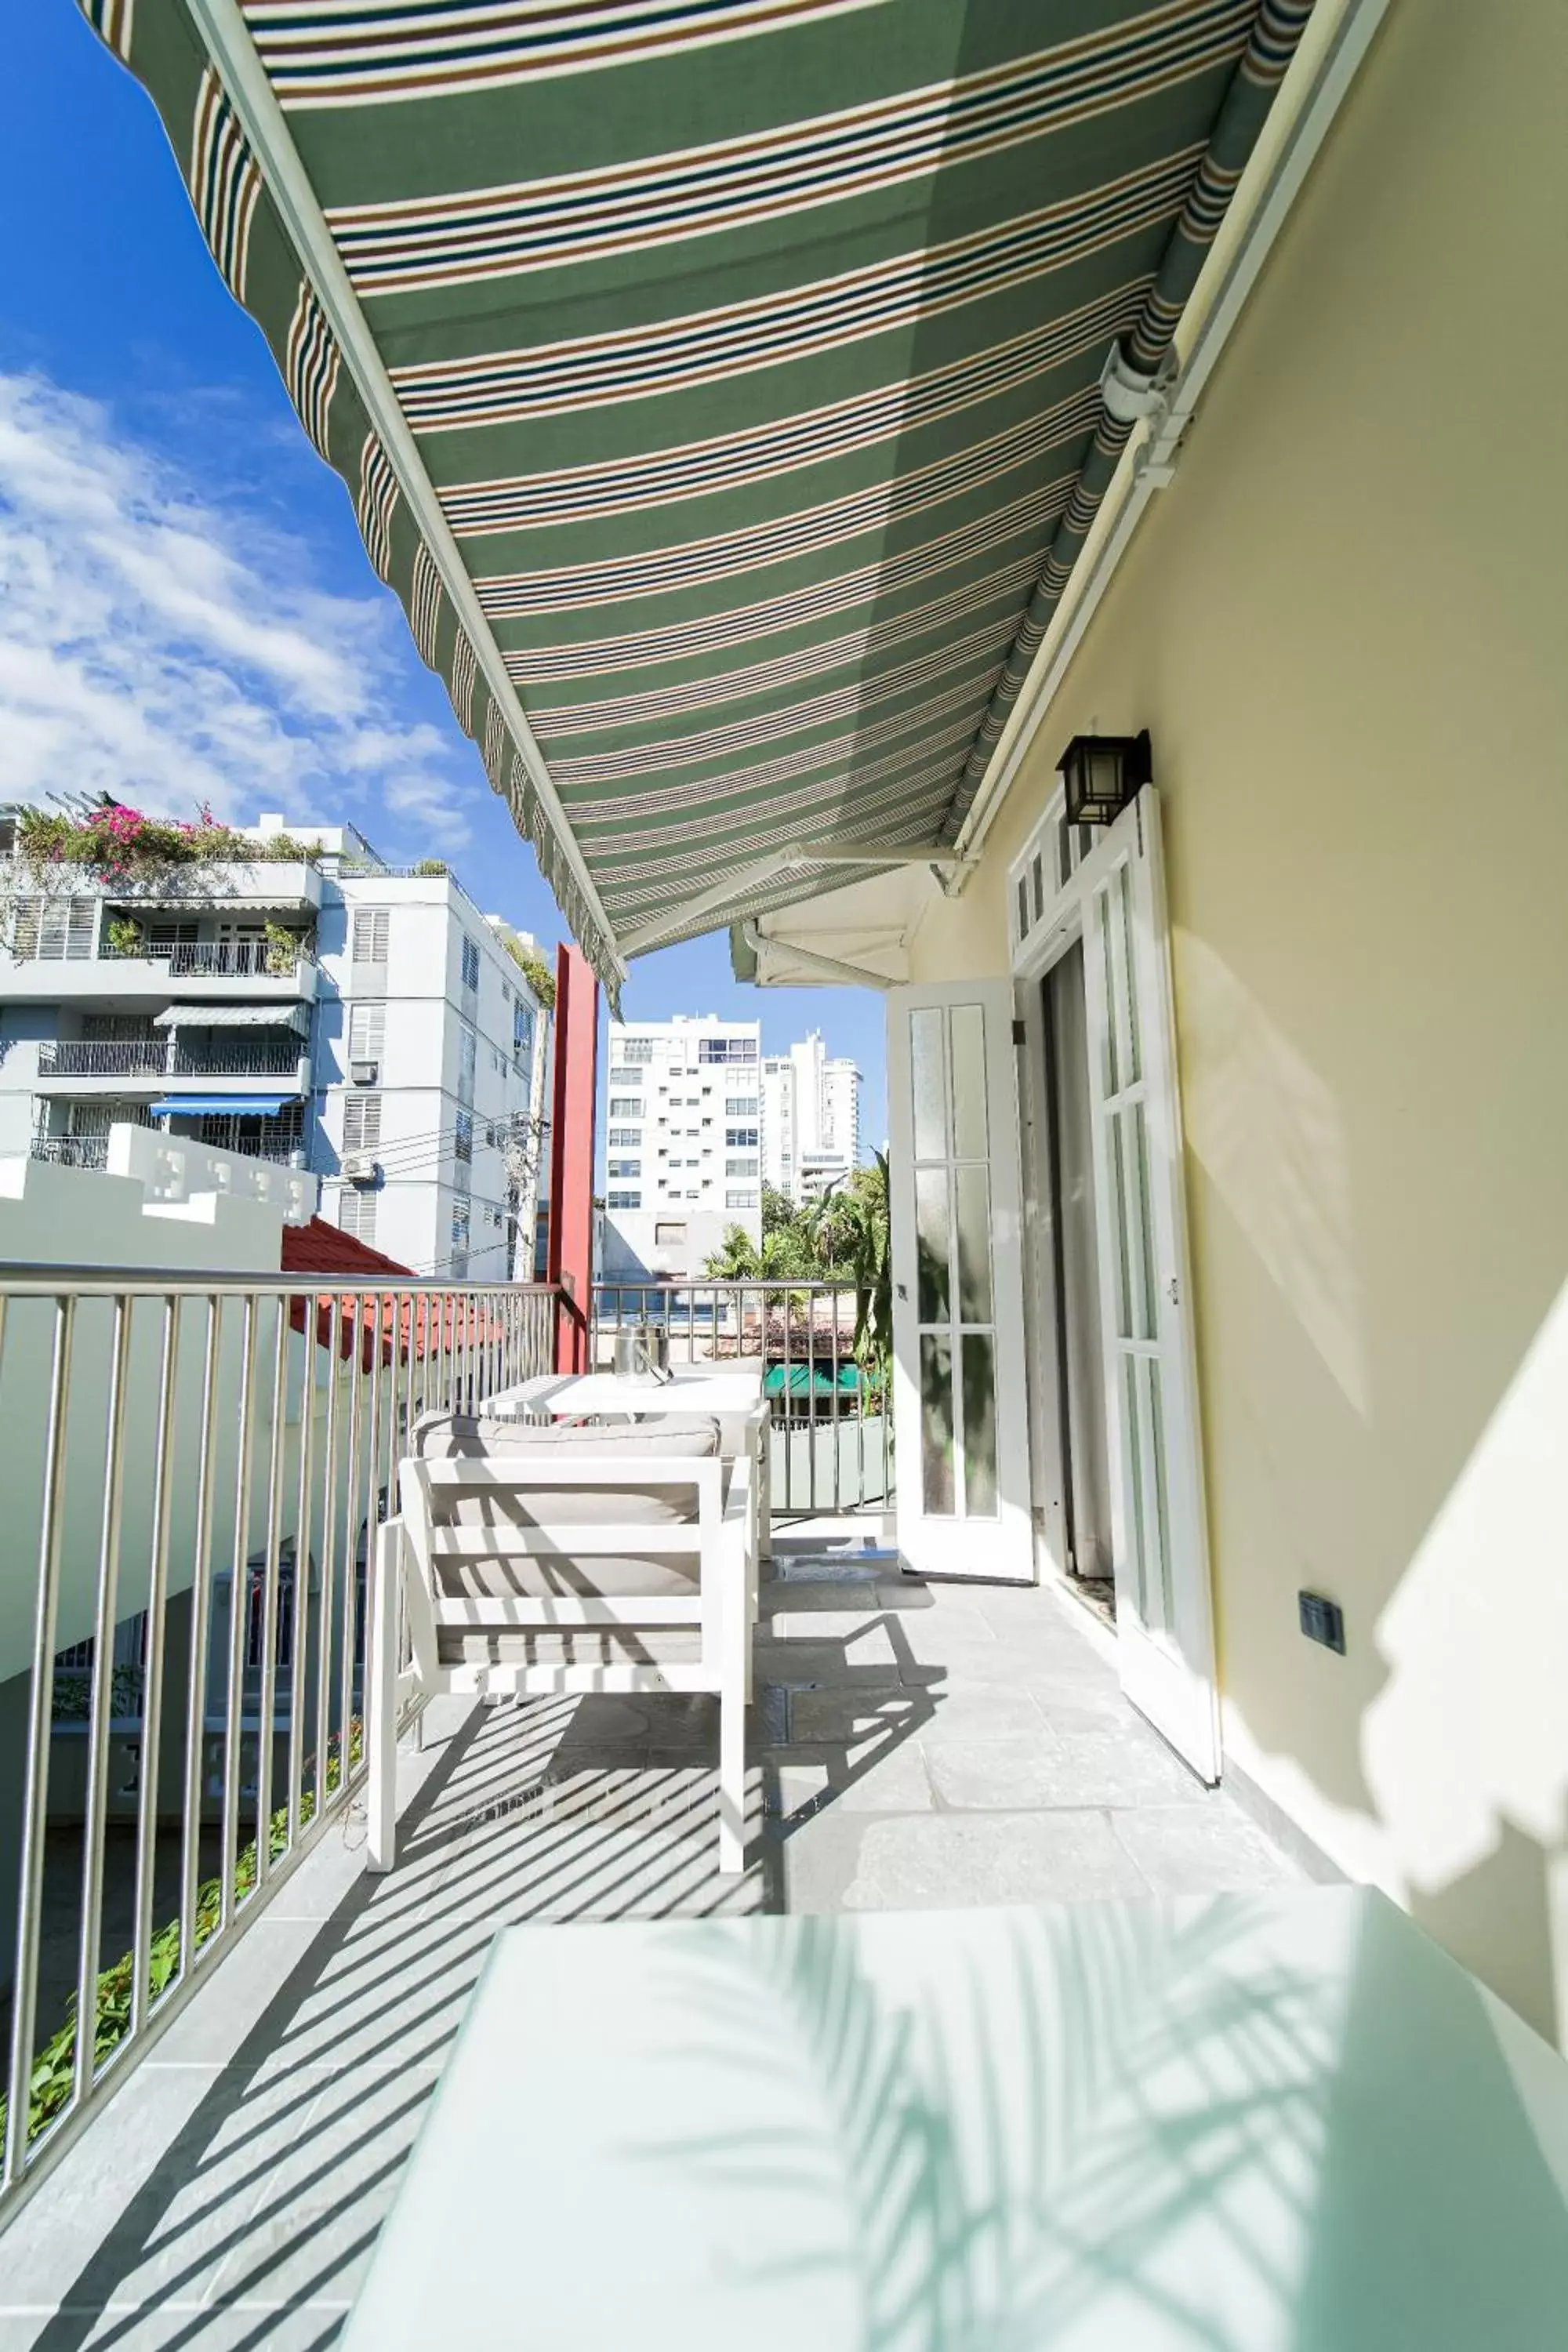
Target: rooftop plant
(534, 969)
(115, 844)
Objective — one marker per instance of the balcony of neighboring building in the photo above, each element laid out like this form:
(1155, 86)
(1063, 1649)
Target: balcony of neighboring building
(96, 949)
(219, 1116)
(238, 1051)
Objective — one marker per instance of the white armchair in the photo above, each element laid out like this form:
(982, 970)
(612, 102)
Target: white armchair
(533, 1561)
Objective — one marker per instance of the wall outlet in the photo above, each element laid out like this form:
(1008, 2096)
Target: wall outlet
(1322, 1620)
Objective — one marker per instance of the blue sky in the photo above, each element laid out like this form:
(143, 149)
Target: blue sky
(186, 612)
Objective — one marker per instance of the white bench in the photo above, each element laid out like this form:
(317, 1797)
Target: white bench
(528, 1562)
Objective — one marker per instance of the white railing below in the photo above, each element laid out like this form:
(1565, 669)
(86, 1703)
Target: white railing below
(831, 1430)
(192, 1475)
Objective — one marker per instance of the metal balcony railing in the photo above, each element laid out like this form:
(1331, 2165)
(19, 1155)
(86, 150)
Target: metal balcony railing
(71, 1150)
(167, 1058)
(212, 1459)
(831, 1433)
(104, 1057)
(220, 959)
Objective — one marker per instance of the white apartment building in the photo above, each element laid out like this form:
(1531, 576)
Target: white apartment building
(683, 1131)
(367, 1023)
(811, 1120)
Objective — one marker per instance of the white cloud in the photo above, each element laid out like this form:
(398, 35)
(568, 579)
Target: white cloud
(171, 651)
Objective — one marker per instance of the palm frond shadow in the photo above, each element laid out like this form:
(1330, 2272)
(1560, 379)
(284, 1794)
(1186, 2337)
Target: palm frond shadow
(997, 2150)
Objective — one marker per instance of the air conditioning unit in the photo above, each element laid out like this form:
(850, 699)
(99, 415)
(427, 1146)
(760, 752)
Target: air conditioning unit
(360, 1168)
(364, 1074)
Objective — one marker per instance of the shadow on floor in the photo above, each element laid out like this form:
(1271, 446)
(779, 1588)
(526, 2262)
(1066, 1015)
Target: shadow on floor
(911, 1745)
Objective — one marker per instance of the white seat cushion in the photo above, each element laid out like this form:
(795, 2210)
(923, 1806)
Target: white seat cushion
(447, 1437)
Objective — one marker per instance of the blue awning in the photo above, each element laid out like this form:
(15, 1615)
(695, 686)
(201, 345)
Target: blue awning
(194, 1106)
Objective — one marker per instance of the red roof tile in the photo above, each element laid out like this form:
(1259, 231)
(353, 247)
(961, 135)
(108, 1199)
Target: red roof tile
(321, 1248)
(425, 1324)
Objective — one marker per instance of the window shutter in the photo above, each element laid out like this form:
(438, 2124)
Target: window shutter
(356, 1215)
(370, 934)
(26, 934)
(367, 1032)
(362, 1122)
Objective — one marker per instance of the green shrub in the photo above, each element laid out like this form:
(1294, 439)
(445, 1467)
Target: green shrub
(120, 845)
(534, 969)
(124, 936)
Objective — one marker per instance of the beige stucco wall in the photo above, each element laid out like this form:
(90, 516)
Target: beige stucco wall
(1346, 625)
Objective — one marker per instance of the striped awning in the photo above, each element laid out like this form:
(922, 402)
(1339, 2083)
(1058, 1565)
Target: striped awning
(717, 381)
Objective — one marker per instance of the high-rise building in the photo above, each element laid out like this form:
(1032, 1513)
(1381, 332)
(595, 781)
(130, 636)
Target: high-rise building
(811, 1120)
(683, 1133)
(316, 1007)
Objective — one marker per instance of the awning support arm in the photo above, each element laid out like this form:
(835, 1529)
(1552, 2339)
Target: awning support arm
(848, 975)
(663, 927)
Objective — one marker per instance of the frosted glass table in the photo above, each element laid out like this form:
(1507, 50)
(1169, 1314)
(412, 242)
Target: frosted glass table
(728, 1395)
(1241, 2123)
(732, 1396)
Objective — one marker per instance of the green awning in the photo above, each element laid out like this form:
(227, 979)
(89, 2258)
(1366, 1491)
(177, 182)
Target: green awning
(715, 381)
(810, 1379)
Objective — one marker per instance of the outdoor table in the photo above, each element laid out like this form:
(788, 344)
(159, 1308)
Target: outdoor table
(731, 1396)
(1281, 2122)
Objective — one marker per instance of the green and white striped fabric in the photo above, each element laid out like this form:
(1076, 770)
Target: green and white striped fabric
(743, 357)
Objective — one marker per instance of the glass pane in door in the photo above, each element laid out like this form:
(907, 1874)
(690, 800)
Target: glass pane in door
(979, 1426)
(974, 1244)
(927, 1082)
(968, 1082)
(936, 1425)
(933, 1244)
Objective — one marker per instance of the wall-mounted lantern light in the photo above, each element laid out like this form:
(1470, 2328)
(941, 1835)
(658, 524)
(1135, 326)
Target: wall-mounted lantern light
(1102, 773)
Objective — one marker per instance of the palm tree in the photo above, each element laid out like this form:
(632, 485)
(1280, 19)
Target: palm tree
(848, 1230)
(736, 1259)
(841, 1238)
(872, 1265)
(785, 1256)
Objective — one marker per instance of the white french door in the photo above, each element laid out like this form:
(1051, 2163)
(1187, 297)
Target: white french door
(1164, 1614)
(959, 1410)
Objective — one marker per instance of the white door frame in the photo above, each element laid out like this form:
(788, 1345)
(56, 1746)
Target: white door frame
(1169, 1673)
(971, 1137)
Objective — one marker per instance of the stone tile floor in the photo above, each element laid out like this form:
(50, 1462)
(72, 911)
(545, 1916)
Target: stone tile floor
(914, 1745)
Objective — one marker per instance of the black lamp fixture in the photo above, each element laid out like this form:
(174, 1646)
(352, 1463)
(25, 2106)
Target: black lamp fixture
(1102, 773)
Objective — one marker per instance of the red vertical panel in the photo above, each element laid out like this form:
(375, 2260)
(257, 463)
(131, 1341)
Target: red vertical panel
(570, 1253)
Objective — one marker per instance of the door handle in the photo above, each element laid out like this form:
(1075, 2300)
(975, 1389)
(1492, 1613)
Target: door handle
(903, 1290)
